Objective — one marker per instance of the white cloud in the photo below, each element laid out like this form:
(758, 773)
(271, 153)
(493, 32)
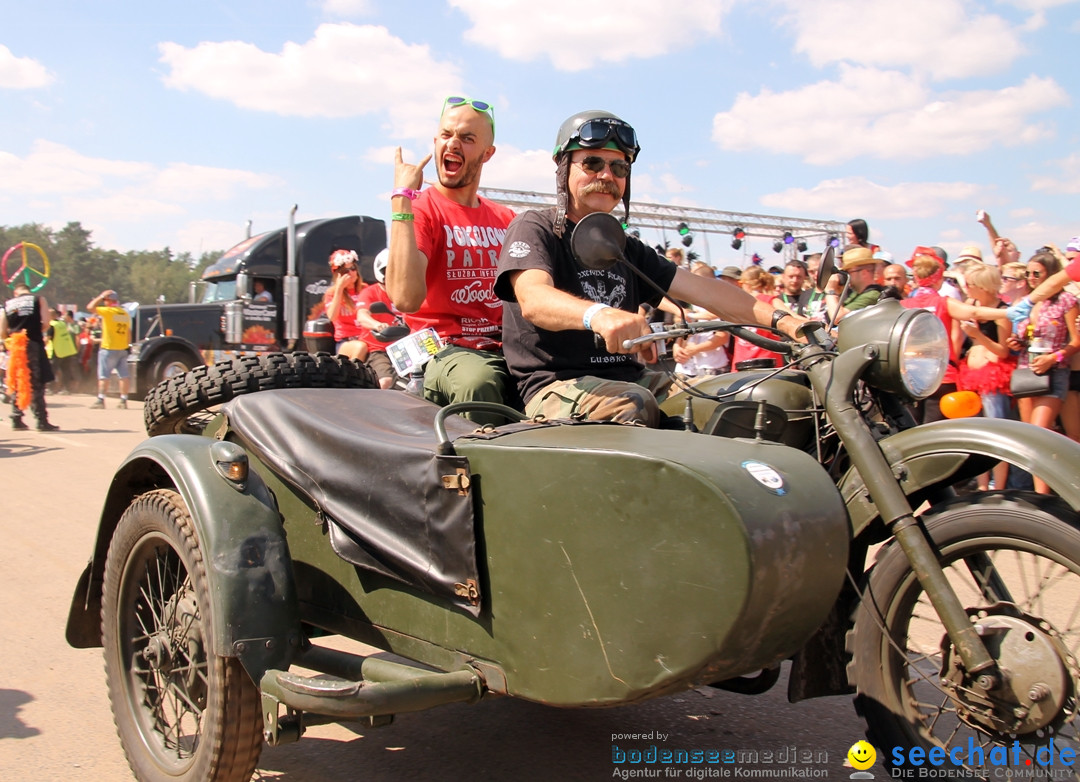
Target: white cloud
(1065, 182)
(516, 169)
(186, 182)
(22, 73)
(884, 114)
(344, 70)
(858, 195)
(346, 8)
(58, 170)
(941, 38)
(526, 30)
(199, 236)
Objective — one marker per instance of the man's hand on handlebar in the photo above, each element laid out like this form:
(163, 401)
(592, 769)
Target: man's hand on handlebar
(615, 326)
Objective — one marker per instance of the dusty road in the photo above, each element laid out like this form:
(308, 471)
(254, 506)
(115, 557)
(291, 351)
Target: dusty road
(55, 721)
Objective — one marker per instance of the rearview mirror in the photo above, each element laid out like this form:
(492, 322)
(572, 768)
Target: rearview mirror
(598, 241)
(827, 268)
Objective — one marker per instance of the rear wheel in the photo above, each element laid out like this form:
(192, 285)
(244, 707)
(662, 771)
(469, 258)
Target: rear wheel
(183, 713)
(187, 403)
(1014, 562)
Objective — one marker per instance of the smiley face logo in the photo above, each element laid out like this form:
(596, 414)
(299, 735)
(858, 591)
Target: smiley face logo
(861, 755)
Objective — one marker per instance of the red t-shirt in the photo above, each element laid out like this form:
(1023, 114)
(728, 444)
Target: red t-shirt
(462, 245)
(345, 323)
(368, 296)
(744, 351)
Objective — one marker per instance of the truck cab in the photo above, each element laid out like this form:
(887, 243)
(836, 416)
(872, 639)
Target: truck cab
(224, 318)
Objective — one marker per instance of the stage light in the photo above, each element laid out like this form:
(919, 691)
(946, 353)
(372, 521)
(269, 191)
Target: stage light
(834, 241)
(737, 237)
(778, 246)
(683, 229)
(801, 245)
(687, 240)
(788, 238)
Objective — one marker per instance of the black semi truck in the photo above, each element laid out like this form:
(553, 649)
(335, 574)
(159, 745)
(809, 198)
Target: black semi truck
(223, 319)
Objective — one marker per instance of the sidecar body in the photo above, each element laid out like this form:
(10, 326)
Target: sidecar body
(570, 563)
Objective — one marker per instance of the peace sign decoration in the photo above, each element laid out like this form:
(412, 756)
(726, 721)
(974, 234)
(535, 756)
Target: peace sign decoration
(32, 271)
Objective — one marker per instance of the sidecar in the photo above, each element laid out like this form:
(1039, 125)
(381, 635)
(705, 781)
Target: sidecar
(571, 563)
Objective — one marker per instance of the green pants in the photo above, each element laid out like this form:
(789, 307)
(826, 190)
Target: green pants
(596, 399)
(463, 375)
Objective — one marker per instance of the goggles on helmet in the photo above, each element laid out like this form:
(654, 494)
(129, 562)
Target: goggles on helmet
(597, 133)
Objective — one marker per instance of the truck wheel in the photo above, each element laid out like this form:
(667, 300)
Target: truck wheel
(1014, 561)
(186, 403)
(182, 712)
(170, 364)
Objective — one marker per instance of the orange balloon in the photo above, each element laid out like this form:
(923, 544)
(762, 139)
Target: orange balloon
(961, 404)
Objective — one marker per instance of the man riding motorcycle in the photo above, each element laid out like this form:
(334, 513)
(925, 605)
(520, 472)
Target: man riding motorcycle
(552, 301)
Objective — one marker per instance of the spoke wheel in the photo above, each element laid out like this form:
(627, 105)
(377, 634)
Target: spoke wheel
(1015, 565)
(182, 712)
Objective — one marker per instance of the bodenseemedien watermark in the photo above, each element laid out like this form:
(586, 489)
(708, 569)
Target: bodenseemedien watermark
(654, 762)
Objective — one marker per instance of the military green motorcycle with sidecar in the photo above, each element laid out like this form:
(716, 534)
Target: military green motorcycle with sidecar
(576, 564)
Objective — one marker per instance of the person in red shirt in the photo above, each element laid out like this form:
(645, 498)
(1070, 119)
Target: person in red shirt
(340, 301)
(371, 322)
(444, 244)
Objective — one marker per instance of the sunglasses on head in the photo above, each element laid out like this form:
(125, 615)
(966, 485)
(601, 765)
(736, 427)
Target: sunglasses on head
(595, 133)
(479, 105)
(596, 165)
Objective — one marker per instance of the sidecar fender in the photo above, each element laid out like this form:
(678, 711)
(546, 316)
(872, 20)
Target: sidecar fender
(249, 568)
(932, 455)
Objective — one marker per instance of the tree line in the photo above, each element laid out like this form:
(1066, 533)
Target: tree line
(79, 271)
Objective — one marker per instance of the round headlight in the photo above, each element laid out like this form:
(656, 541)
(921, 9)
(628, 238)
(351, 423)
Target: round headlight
(923, 354)
(913, 348)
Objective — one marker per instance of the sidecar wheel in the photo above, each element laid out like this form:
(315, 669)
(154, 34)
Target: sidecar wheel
(186, 403)
(1014, 561)
(183, 713)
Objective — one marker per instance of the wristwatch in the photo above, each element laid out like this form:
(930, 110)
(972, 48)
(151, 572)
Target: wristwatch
(777, 316)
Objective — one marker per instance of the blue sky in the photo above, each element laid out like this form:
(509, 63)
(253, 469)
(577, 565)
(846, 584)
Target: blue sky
(174, 124)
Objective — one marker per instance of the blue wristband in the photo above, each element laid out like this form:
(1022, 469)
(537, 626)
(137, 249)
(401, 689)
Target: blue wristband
(586, 319)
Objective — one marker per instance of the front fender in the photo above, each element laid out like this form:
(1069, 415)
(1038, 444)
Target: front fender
(253, 595)
(927, 456)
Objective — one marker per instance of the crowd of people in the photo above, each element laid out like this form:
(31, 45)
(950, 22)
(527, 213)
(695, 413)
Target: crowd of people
(46, 350)
(522, 322)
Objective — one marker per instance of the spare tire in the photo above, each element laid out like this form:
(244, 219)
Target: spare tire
(185, 404)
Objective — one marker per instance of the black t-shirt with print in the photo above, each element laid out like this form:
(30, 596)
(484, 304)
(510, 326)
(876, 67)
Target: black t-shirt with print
(536, 356)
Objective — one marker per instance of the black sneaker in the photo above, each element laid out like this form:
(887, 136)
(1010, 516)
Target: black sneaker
(98, 405)
(45, 426)
(18, 424)
(122, 404)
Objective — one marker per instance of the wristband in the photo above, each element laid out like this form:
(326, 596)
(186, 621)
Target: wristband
(405, 217)
(586, 319)
(1059, 357)
(777, 316)
(408, 192)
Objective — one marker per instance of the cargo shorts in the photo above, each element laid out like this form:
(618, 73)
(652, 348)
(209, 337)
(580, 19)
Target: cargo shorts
(597, 399)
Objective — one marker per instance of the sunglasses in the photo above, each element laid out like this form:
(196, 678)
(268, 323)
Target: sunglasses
(596, 165)
(482, 106)
(1035, 274)
(595, 133)
(1009, 279)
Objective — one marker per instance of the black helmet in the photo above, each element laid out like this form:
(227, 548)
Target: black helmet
(596, 130)
(593, 129)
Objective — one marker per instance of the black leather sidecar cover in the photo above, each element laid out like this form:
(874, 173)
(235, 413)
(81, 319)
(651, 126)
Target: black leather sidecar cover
(367, 459)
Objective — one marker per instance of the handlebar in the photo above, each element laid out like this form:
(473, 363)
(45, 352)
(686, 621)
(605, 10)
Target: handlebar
(744, 332)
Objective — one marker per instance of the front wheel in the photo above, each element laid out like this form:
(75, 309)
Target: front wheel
(183, 713)
(1014, 562)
